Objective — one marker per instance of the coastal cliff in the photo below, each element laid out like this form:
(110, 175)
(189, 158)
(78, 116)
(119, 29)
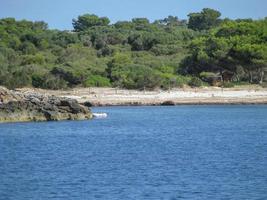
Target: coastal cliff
(16, 106)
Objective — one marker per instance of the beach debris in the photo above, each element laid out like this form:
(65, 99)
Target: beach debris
(100, 115)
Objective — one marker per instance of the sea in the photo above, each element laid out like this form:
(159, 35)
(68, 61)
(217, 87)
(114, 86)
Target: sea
(193, 152)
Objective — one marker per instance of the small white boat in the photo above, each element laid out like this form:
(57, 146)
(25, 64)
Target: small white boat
(100, 115)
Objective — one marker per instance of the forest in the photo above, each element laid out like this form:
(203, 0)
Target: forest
(203, 50)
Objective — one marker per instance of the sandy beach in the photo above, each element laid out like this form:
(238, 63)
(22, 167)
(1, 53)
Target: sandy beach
(179, 96)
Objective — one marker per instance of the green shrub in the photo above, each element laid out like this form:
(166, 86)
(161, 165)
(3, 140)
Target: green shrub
(54, 83)
(33, 59)
(133, 76)
(195, 82)
(19, 78)
(37, 80)
(182, 80)
(48, 81)
(73, 76)
(96, 81)
(228, 85)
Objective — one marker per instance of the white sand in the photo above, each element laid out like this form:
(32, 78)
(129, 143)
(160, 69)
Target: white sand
(210, 95)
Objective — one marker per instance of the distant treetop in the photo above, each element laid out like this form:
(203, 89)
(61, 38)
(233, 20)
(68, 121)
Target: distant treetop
(206, 19)
(87, 21)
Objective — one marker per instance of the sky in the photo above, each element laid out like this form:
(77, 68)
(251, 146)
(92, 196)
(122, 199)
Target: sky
(59, 13)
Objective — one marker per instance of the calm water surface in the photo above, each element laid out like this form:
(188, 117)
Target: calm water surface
(184, 152)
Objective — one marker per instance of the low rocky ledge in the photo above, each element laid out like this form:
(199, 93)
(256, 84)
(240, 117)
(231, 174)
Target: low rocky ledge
(19, 107)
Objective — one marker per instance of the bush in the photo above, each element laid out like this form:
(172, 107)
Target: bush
(182, 80)
(37, 80)
(70, 75)
(96, 81)
(54, 83)
(48, 81)
(33, 59)
(195, 82)
(19, 78)
(135, 77)
(228, 85)
(171, 80)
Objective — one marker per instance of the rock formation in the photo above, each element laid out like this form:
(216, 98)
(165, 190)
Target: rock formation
(19, 107)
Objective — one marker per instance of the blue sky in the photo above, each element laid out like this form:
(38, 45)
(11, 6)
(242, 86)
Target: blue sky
(59, 13)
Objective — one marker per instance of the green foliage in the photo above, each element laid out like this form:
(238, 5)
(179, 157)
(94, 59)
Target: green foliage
(33, 59)
(235, 46)
(87, 21)
(96, 81)
(19, 78)
(136, 54)
(182, 80)
(195, 82)
(64, 38)
(134, 76)
(204, 20)
(72, 77)
(28, 48)
(228, 85)
(169, 81)
(48, 81)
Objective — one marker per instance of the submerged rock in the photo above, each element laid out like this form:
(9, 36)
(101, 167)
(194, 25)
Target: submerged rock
(18, 107)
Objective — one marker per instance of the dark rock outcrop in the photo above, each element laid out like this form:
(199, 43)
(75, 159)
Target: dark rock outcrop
(88, 104)
(18, 107)
(168, 103)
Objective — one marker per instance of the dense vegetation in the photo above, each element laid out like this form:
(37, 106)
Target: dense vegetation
(133, 54)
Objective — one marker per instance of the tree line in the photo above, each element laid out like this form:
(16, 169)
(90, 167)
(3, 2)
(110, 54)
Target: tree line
(133, 54)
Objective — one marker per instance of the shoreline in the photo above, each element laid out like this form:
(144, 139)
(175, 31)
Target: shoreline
(245, 95)
(182, 104)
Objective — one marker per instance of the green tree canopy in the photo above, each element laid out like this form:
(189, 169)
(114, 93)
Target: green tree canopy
(87, 21)
(204, 20)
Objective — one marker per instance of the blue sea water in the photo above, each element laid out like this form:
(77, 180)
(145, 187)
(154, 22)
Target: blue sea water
(183, 152)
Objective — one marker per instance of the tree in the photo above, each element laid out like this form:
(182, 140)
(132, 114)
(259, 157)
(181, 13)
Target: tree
(140, 23)
(171, 21)
(40, 25)
(131, 54)
(118, 59)
(253, 57)
(232, 46)
(125, 25)
(87, 21)
(204, 20)
(28, 48)
(64, 38)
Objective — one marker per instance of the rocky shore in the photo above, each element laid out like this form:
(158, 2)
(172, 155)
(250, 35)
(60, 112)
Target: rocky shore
(16, 106)
(31, 104)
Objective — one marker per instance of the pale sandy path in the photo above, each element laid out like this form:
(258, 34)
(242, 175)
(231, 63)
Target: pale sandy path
(210, 95)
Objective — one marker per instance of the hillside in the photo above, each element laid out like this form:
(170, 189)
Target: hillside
(137, 54)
